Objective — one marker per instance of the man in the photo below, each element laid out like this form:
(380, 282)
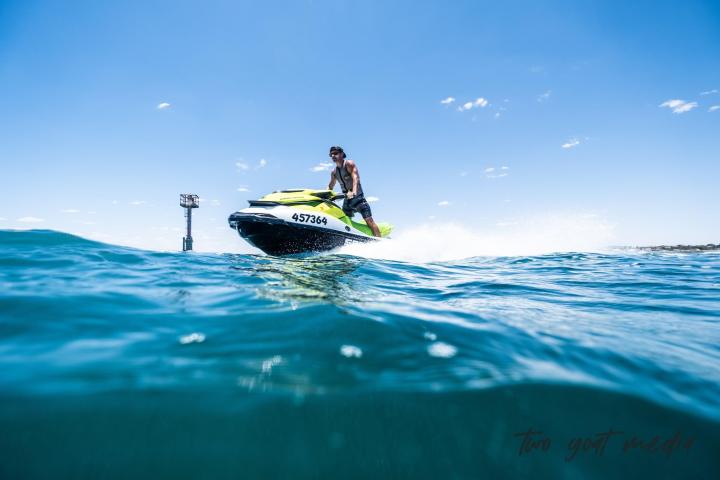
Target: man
(346, 172)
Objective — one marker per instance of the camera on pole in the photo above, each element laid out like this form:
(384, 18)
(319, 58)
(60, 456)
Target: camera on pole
(188, 201)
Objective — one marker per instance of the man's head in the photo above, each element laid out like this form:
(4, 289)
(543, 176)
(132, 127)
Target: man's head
(337, 153)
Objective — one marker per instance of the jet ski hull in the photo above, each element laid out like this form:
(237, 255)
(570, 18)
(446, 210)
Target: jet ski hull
(276, 236)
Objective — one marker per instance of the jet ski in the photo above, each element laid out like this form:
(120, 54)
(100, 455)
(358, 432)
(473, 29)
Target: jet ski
(300, 221)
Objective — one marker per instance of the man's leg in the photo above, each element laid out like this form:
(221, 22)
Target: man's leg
(373, 226)
(347, 210)
(366, 213)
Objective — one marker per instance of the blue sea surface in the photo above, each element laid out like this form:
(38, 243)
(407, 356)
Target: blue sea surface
(123, 363)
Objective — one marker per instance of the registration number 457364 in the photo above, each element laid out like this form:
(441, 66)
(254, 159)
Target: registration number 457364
(308, 218)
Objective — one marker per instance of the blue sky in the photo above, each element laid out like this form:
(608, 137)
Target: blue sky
(566, 117)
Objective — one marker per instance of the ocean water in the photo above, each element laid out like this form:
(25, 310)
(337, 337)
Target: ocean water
(122, 363)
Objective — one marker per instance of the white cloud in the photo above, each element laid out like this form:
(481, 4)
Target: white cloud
(685, 108)
(573, 142)
(2, 219)
(243, 188)
(214, 203)
(709, 92)
(679, 106)
(463, 174)
(262, 163)
(242, 166)
(138, 202)
(713, 108)
(114, 202)
(372, 199)
(544, 96)
(465, 106)
(69, 210)
(447, 101)
(323, 167)
(163, 106)
(444, 203)
(489, 172)
(672, 103)
(480, 102)
(30, 220)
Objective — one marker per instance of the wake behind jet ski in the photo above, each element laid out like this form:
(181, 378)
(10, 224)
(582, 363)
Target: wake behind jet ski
(300, 221)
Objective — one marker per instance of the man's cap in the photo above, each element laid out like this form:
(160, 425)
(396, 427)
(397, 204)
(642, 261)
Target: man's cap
(336, 148)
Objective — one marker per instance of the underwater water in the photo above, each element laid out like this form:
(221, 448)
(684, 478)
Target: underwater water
(123, 363)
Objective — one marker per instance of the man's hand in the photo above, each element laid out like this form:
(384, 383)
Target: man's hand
(349, 195)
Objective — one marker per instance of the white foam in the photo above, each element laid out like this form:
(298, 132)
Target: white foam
(194, 337)
(267, 365)
(442, 350)
(350, 351)
(451, 241)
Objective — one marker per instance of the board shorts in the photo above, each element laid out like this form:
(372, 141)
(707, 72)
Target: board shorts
(357, 204)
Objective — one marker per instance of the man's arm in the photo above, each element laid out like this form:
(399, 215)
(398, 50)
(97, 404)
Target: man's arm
(355, 176)
(332, 181)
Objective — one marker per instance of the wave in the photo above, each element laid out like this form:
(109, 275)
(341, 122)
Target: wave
(42, 238)
(437, 242)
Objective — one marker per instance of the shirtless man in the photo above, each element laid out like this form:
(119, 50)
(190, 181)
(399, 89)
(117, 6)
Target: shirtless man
(346, 172)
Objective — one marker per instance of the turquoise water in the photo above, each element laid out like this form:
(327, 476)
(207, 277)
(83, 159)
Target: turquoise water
(123, 363)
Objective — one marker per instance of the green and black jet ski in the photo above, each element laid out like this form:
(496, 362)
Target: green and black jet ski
(300, 221)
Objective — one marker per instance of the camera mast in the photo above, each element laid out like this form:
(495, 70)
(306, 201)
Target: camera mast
(188, 201)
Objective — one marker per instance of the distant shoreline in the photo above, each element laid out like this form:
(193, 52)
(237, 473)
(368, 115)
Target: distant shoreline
(682, 248)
